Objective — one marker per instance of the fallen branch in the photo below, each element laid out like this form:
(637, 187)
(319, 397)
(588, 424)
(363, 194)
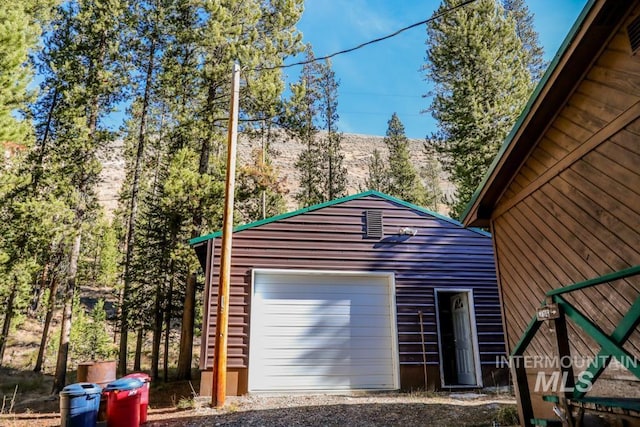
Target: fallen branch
(193, 391)
(13, 399)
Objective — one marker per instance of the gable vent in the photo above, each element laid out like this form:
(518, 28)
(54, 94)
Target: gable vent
(373, 224)
(633, 31)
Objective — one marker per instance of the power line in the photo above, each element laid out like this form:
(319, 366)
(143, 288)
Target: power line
(379, 39)
(390, 95)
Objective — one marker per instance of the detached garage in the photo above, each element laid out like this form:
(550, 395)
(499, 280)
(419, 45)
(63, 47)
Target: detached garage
(366, 292)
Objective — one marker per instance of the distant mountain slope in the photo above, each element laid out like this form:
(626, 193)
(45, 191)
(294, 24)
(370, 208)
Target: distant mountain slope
(357, 150)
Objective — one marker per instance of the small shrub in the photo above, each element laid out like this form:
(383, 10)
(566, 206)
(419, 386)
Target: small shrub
(508, 416)
(89, 337)
(186, 403)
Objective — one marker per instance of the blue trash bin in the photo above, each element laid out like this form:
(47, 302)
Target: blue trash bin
(79, 404)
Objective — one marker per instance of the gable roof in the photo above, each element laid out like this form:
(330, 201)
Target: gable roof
(594, 27)
(374, 193)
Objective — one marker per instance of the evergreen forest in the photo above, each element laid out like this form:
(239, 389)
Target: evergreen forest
(128, 287)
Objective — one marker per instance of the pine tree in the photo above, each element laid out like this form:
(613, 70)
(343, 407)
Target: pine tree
(481, 82)
(404, 181)
(89, 339)
(315, 118)
(429, 173)
(259, 188)
(82, 71)
(31, 219)
(378, 178)
(259, 35)
(335, 174)
(145, 42)
(301, 122)
(19, 32)
(519, 11)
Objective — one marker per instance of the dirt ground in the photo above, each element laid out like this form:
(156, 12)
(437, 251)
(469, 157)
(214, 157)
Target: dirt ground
(176, 403)
(364, 409)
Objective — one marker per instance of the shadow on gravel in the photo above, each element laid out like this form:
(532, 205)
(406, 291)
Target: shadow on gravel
(370, 414)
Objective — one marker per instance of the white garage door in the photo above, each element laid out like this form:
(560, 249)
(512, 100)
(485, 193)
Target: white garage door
(322, 331)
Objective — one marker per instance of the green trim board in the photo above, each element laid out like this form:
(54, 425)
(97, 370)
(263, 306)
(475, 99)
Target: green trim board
(334, 202)
(620, 335)
(527, 336)
(607, 343)
(544, 422)
(527, 109)
(616, 275)
(534, 324)
(623, 403)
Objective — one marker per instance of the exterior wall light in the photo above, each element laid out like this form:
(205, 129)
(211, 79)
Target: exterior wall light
(408, 231)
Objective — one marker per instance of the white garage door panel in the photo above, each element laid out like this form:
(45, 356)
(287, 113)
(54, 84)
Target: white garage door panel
(328, 369)
(321, 360)
(317, 299)
(303, 308)
(322, 331)
(320, 320)
(335, 287)
(325, 382)
(288, 337)
(310, 344)
(294, 354)
(303, 331)
(309, 277)
(307, 307)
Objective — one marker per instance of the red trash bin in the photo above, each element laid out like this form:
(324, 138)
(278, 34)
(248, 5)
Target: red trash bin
(144, 393)
(123, 402)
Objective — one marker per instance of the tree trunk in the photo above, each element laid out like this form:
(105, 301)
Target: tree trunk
(157, 333)
(65, 331)
(37, 174)
(7, 320)
(35, 301)
(138, 356)
(124, 331)
(186, 333)
(157, 309)
(167, 326)
(53, 288)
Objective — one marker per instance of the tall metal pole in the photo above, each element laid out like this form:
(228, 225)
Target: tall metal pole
(219, 387)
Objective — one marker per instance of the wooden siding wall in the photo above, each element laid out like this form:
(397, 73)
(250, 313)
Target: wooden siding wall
(441, 255)
(573, 211)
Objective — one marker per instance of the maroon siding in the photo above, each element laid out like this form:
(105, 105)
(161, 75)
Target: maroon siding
(443, 254)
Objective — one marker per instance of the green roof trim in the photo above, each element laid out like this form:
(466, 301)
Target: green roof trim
(206, 237)
(527, 109)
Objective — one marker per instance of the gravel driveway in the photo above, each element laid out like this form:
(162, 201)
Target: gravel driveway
(387, 409)
(371, 409)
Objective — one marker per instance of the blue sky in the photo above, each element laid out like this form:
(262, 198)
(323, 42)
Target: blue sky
(384, 78)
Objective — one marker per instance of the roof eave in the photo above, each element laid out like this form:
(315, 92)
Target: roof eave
(197, 241)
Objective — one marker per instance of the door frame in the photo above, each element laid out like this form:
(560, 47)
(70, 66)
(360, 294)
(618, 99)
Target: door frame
(474, 336)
